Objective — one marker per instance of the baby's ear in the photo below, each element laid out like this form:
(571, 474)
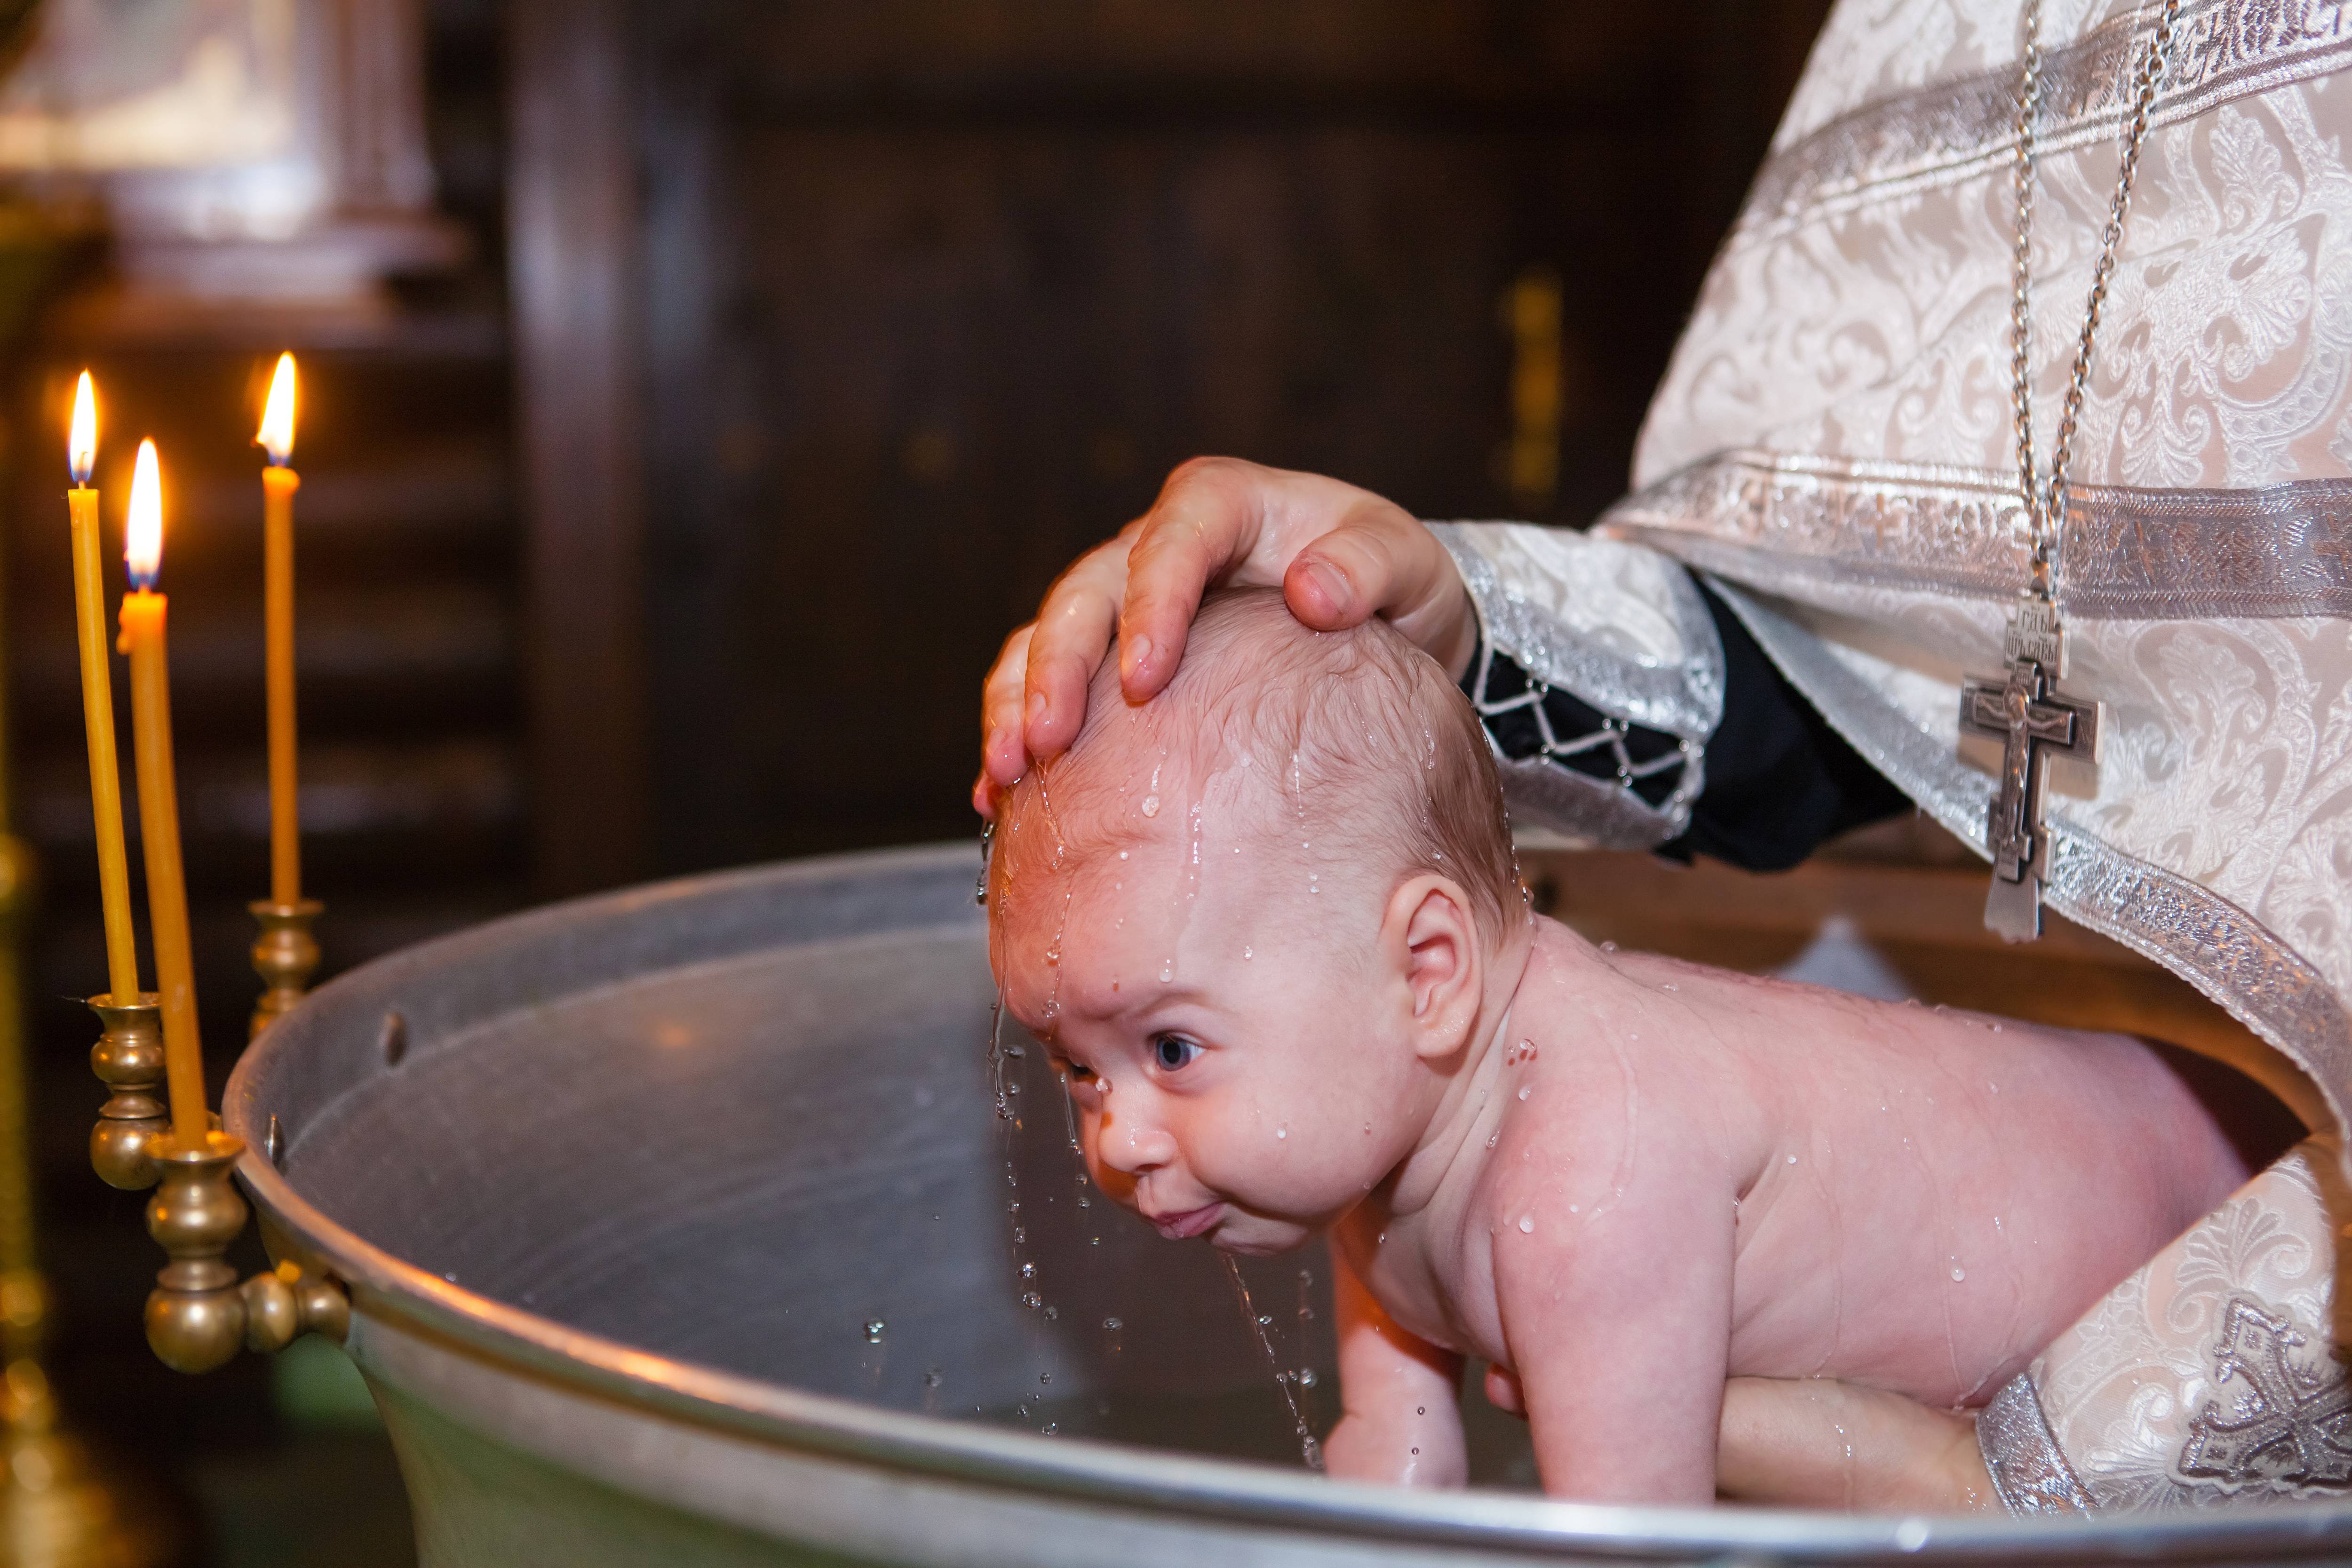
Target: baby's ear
(1431, 938)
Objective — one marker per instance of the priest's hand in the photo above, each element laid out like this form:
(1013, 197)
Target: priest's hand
(1340, 555)
(1814, 1443)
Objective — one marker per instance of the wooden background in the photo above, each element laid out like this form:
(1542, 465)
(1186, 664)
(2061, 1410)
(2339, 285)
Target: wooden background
(802, 343)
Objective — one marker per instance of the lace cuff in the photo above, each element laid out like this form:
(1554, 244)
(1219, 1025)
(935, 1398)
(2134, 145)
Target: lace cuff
(1599, 676)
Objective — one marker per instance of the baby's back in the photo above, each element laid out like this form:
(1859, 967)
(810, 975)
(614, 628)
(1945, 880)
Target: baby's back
(1927, 1198)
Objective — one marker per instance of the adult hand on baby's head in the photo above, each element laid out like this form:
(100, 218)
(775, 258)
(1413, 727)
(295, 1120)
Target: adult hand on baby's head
(1340, 555)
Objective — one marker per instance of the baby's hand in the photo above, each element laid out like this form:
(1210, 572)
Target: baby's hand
(1401, 1424)
(1409, 1446)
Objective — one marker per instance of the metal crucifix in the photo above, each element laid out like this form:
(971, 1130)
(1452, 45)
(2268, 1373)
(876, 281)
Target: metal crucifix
(2034, 722)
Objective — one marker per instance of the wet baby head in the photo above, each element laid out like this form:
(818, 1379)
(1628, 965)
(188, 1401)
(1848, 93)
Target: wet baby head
(1253, 918)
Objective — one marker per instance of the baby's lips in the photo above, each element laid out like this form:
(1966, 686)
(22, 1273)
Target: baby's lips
(1190, 1223)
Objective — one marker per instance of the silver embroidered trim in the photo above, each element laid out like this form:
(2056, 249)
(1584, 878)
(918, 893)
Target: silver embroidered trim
(1955, 129)
(1686, 761)
(1777, 521)
(2192, 931)
(1595, 812)
(2287, 1424)
(1685, 699)
(2027, 1468)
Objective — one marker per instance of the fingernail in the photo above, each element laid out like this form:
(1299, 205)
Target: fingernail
(1327, 582)
(1138, 654)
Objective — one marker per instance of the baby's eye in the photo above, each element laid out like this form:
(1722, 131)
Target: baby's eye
(1174, 1051)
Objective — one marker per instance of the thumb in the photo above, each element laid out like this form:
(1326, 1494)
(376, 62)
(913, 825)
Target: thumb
(1347, 576)
(1382, 562)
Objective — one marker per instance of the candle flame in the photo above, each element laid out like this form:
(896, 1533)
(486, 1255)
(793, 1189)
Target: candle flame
(81, 441)
(277, 415)
(142, 543)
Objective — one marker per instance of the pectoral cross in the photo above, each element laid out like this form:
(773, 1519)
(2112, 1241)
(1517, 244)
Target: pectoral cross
(2034, 722)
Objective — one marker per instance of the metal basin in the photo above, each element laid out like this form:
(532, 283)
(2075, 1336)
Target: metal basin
(679, 1230)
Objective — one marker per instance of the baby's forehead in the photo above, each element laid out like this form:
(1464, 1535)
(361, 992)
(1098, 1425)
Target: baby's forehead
(1151, 812)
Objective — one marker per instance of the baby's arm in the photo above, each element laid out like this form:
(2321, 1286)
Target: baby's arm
(1399, 1421)
(1618, 1319)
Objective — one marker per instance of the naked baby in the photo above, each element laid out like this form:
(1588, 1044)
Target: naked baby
(1270, 926)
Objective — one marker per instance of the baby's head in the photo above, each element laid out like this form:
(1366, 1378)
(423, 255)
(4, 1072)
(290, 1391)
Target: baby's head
(1253, 918)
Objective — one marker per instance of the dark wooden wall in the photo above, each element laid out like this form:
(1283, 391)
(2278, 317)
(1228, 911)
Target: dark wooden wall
(935, 294)
(806, 342)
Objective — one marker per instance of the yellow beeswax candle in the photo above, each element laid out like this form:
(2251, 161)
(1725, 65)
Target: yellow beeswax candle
(278, 483)
(97, 700)
(159, 808)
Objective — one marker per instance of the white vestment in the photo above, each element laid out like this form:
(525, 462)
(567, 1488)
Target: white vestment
(1833, 445)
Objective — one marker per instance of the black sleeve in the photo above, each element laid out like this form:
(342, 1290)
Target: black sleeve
(1779, 780)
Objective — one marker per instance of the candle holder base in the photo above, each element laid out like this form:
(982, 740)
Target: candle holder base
(60, 1502)
(198, 1315)
(129, 1059)
(285, 955)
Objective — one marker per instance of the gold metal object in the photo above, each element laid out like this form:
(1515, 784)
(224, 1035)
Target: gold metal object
(198, 1315)
(129, 1059)
(285, 955)
(1531, 313)
(59, 1507)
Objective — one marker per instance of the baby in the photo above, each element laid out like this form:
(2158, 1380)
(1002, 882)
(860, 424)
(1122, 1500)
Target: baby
(1270, 926)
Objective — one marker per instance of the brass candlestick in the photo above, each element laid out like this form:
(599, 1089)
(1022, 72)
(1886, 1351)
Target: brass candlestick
(285, 955)
(198, 1315)
(58, 1505)
(129, 1059)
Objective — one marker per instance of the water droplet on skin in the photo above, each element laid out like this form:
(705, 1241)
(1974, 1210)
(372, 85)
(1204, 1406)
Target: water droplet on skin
(1150, 805)
(1526, 1224)
(1247, 955)
(1122, 854)
(1282, 1132)
(1167, 973)
(1525, 1092)
(1607, 947)
(1792, 1159)
(1420, 1410)
(1996, 1028)
(1493, 1139)
(875, 1329)
(1958, 1274)
(1669, 986)
(1735, 1204)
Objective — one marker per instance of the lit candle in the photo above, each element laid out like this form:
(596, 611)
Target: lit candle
(278, 483)
(159, 805)
(97, 700)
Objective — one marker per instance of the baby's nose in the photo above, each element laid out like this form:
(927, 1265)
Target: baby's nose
(1131, 1149)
